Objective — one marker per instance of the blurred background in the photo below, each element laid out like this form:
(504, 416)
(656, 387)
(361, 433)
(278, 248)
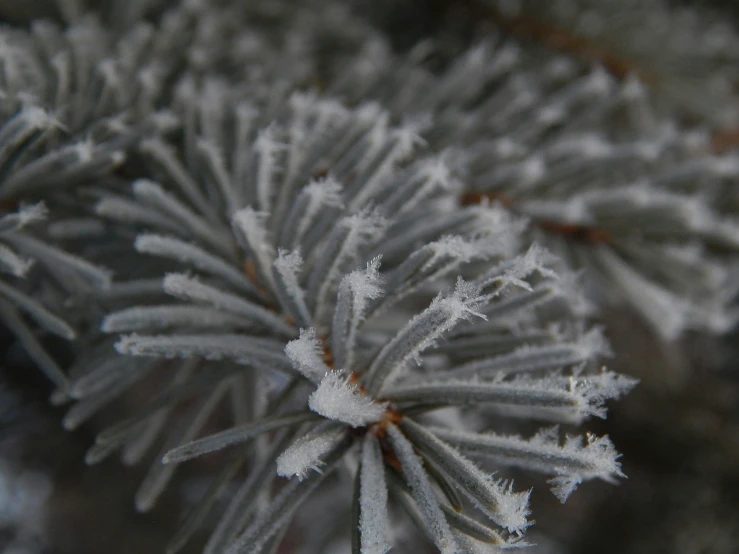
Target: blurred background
(678, 431)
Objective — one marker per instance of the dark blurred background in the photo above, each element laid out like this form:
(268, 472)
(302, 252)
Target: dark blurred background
(678, 431)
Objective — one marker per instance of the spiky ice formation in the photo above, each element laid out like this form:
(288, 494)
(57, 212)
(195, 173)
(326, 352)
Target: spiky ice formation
(325, 219)
(73, 102)
(607, 181)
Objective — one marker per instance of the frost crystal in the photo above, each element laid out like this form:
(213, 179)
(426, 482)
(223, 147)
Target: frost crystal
(318, 276)
(305, 454)
(306, 354)
(336, 398)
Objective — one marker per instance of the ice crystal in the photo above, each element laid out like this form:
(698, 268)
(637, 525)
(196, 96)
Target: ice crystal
(607, 180)
(321, 272)
(300, 251)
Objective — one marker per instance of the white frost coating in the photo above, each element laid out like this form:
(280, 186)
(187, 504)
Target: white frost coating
(305, 454)
(692, 210)
(360, 228)
(243, 349)
(667, 314)
(569, 287)
(537, 258)
(606, 385)
(373, 514)
(578, 397)
(188, 288)
(462, 303)
(421, 332)
(250, 225)
(37, 311)
(268, 148)
(12, 263)
(473, 546)
(495, 498)
(163, 154)
(213, 157)
(60, 261)
(365, 225)
(29, 214)
(598, 455)
(246, 115)
(406, 139)
(173, 248)
(324, 193)
(438, 174)
(593, 344)
(365, 285)
(84, 150)
(289, 265)
(147, 317)
(513, 506)
(38, 118)
(329, 111)
(493, 220)
(430, 175)
(337, 399)
(572, 462)
(460, 250)
(526, 358)
(287, 269)
(403, 141)
(306, 355)
(498, 232)
(355, 290)
(153, 195)
(423, 493)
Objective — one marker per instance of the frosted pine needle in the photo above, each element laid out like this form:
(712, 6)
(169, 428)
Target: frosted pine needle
(337, 399)
(300, 268)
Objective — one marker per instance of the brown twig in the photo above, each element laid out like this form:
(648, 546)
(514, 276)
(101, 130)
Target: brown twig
(575, 232)
(529, 28)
